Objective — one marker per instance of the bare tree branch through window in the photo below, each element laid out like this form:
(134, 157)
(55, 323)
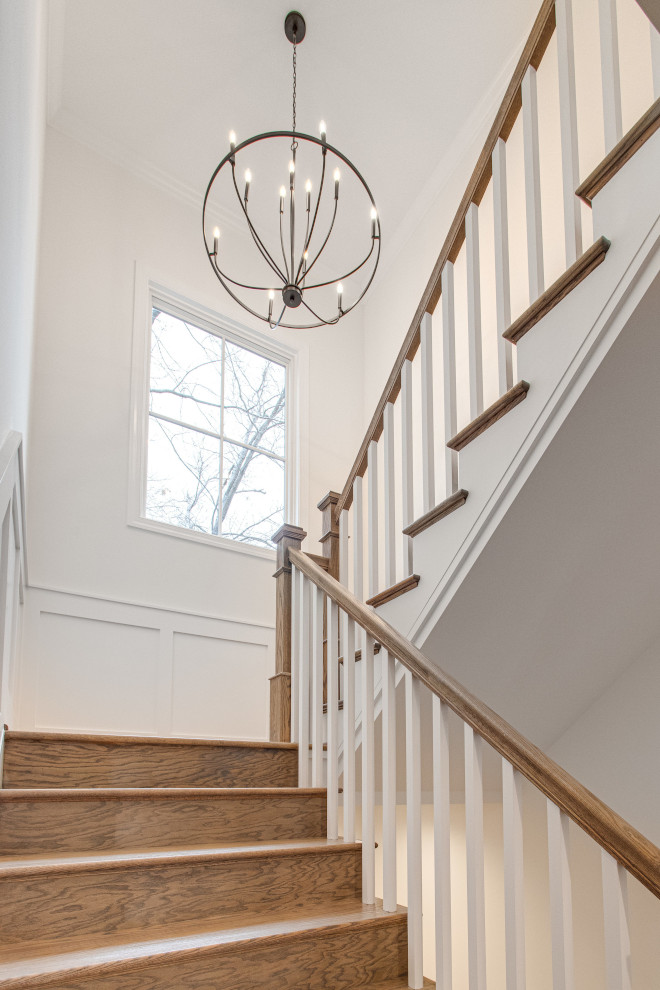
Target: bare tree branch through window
(217, 434)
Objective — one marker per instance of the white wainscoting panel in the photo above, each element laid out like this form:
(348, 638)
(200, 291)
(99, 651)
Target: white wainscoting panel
(96, 665)
(96, 674)
(215, 681)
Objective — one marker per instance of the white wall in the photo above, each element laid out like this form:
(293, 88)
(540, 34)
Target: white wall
(22, 123)
(613, 746)
(99, 220)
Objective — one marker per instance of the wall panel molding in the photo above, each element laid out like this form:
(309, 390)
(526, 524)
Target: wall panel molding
(94, 664)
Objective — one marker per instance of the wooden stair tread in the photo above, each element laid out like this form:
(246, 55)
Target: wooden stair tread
(40, 760)
(153, 793)
(489, 416)
(173, 942)
(15, 866)
(63, 821)
(631, 142)
(441, 510)
(408, 584)
(565, 284)
(15, 734)
(153, 852)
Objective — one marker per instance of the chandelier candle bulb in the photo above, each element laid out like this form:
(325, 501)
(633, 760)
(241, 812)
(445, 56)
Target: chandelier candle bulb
(216, 241)
(232, 141)
(308, 191)
(322, 130)
(374, 217)
(337, 177)
(248, 180)
(271, 297)
(282, 195)
(340, 293)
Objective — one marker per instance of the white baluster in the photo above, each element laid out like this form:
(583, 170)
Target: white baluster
(449, 375)
(615, 916)
(388, 726)
(296, 577)
(390, 497)
(303, 683)
(372, 517)
(441, 844)
(333, 720)
(367, 720)
(368, 782)
(407, 464)
(343, 547)
(317, 686)
(428, 441)
(343, 578)
(349, 732)
(610, 73)
(532, 185)
(474, 311)
(569, 136)
(358, 539)
(414, 828)
(474, 851)
(502, 268)
(561, 906)
(513, 877)
(655, 59)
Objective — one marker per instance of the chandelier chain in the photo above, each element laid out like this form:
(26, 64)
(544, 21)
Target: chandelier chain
(294, 144)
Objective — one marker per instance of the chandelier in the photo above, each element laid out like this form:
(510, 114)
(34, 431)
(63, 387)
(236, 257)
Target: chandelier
(310, 261)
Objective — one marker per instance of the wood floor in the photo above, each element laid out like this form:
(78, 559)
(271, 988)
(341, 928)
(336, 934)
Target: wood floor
(142, 864)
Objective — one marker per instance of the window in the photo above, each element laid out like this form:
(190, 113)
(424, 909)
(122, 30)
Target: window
(217, 433)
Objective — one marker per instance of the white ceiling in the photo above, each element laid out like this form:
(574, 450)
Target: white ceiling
(158, 84)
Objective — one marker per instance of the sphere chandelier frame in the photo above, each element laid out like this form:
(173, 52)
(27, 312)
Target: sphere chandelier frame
(292, 271)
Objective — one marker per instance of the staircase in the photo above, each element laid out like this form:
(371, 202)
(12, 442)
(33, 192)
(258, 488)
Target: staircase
(168, 863)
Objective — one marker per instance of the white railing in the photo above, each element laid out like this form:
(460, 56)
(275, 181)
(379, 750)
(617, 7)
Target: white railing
(519, 228)
(448, 898)
(12, 571)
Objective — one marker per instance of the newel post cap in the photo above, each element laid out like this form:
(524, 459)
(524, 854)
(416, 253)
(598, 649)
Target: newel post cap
(288, 532)
(286, 538)
(330, 499)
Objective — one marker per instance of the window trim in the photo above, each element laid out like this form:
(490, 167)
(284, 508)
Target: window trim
(147, 289)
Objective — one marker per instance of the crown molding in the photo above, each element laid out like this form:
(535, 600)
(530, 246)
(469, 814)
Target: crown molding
(71, 126)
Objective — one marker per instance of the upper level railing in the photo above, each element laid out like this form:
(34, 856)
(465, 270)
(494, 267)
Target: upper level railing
(428, 846)
(519, 227)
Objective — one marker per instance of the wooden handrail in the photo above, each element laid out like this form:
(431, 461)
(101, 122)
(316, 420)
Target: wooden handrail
(628, 846)
(533, 52)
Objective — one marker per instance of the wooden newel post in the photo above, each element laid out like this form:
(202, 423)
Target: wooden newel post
(330, 532)
(286, 538)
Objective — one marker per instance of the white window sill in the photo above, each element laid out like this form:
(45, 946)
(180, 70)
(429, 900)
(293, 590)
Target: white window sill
(191, 535)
